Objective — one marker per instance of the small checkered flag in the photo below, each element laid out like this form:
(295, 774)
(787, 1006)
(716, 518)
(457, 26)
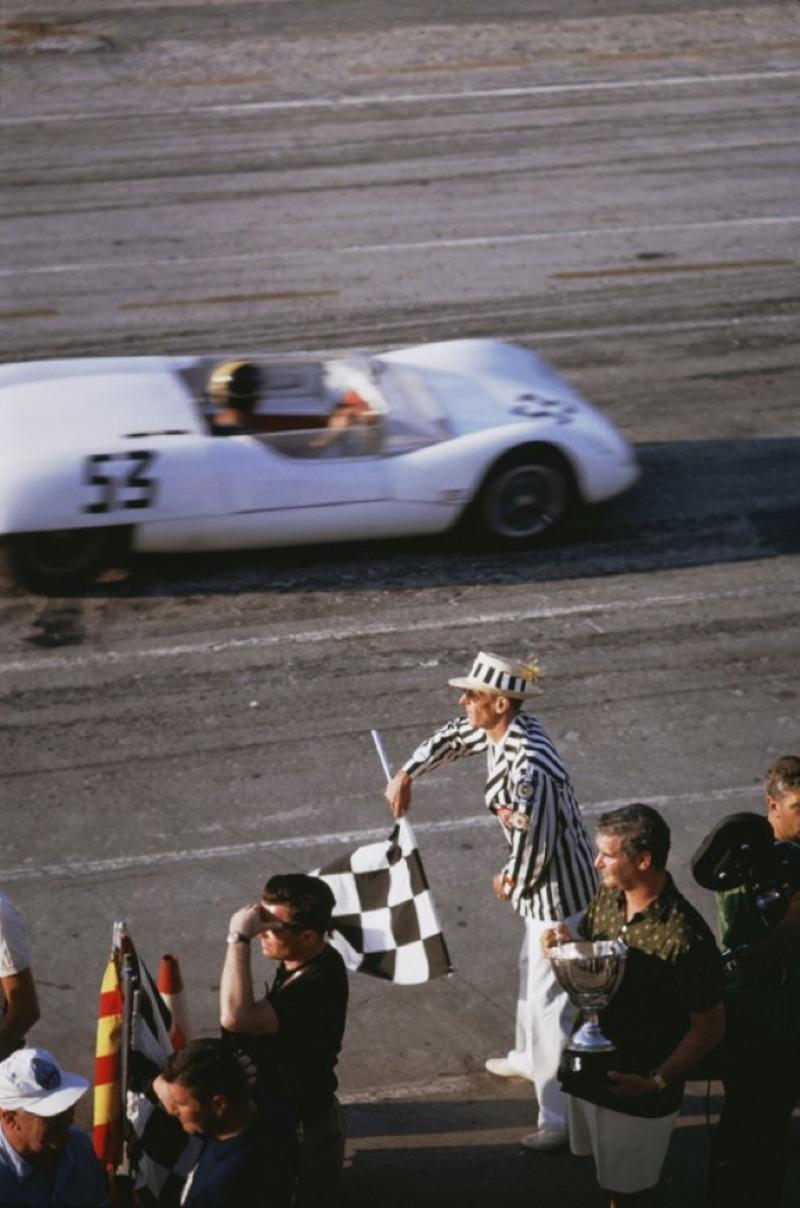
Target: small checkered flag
(384, 920)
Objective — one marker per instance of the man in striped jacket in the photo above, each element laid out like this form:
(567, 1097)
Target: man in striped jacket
(549, 874)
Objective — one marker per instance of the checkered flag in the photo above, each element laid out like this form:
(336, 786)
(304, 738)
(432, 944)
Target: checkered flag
(384, 920)
(161, 1151)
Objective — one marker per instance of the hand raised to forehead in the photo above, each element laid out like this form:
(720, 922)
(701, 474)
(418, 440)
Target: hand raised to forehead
(248, 919)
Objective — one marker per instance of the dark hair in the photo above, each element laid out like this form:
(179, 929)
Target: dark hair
(310, 899)
(783, 776)
(640, 828)
(208, 1067)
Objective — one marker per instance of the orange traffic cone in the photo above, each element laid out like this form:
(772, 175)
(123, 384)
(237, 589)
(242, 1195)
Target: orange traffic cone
(170, 987)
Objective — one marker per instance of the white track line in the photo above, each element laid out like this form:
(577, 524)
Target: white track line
(409, 98)
(467, 242)
(447, 1086)
(363, 630)
(580, 233)
(83, 868)
(443, 1086)
(641, 329)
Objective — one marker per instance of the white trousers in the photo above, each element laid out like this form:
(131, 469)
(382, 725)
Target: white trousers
(628, 1151)
(544, 1023)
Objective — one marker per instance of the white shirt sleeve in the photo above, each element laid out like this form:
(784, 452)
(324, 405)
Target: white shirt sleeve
(14, 951)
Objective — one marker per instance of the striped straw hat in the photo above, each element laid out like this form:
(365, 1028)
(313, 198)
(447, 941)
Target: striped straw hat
(491, 673)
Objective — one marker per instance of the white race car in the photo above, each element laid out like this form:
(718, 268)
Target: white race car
(99, 457)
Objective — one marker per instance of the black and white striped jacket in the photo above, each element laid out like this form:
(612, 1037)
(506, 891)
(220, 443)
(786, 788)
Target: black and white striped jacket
(550, 857)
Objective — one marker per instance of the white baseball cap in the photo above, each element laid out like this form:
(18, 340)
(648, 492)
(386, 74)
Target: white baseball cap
(31, 1080)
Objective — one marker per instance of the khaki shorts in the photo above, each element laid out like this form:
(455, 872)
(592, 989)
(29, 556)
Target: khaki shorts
(628, 1151)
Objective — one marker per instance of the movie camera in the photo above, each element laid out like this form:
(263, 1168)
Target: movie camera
(741, 852)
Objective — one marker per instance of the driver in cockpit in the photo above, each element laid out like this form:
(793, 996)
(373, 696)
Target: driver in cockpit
(234, 389)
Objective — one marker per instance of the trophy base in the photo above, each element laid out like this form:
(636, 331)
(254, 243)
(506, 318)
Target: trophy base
(586, 1069)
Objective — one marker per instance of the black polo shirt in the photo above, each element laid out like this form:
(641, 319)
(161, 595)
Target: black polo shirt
(296, 1064)
(673, 968)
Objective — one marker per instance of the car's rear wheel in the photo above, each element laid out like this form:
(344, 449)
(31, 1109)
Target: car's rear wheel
(526, 496)
(64, 560)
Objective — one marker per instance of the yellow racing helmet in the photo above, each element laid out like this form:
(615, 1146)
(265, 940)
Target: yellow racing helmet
(235, 384)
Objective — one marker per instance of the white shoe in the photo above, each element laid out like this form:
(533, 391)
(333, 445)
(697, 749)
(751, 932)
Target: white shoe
(546, 1138)
(501, 1067)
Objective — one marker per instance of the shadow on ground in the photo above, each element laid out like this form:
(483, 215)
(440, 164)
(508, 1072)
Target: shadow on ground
(698, 503)
(462, 1154)
(466, 1154)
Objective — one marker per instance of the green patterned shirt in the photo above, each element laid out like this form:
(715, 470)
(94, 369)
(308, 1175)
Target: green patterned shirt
(673, 968)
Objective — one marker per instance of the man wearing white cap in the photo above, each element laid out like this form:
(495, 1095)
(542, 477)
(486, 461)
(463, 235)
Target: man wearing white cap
(549, 874)
(44, 1158)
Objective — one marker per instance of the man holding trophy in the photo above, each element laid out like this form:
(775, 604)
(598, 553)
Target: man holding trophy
(646, 970)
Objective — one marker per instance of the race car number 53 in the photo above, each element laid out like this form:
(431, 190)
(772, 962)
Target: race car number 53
(120, 480)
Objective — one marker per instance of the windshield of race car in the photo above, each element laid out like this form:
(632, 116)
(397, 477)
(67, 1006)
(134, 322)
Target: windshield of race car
(414, 415)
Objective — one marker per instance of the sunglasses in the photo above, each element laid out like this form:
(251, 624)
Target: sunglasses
(277, 925)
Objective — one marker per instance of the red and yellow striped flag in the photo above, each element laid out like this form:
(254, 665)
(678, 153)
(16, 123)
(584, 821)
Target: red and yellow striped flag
(107, 1090)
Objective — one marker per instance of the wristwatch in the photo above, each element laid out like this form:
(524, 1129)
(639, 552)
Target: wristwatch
(238, 937)
(659, 1079)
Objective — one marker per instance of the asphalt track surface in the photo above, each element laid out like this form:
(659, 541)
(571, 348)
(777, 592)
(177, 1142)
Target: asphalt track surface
(617, 188)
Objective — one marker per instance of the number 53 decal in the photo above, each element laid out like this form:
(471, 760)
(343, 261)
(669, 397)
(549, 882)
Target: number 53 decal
(121, 480)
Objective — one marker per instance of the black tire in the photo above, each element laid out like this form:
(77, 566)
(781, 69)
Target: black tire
(524, 498)
(63, 560)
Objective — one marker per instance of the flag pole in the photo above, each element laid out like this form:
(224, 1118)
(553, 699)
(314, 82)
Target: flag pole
(124, 1168)
(401, 825)
(379, 747)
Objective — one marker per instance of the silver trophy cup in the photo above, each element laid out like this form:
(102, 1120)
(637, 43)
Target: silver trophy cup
(590, 971)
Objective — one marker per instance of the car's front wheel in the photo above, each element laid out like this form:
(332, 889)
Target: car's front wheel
(63, 560)
(525, 497)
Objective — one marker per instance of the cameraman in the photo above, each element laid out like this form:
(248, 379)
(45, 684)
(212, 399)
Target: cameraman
(762, 1045)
